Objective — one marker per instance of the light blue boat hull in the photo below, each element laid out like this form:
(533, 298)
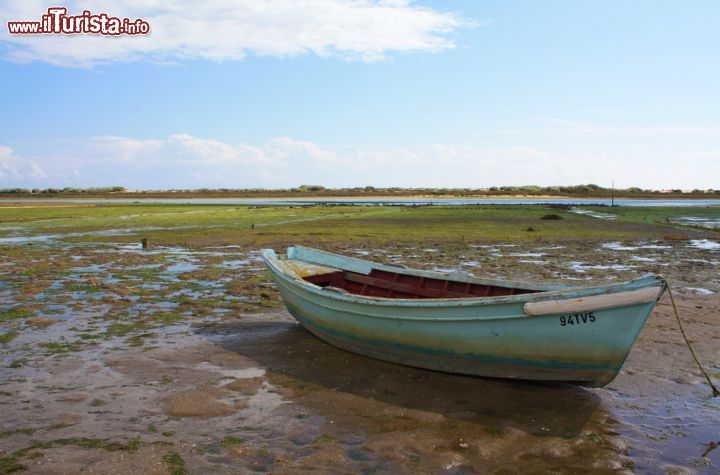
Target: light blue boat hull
(482, 336)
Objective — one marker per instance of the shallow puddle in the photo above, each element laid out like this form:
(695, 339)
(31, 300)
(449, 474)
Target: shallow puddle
(594, 214)
(705, 244)
(704, 222)
(436, 421)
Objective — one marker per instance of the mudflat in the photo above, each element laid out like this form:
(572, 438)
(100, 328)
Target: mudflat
(180, 358)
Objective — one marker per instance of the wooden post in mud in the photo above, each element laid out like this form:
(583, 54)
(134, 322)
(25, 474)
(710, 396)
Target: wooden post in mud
(144, 242)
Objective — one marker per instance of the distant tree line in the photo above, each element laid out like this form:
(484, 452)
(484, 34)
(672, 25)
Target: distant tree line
(66, 190)
(589, 190)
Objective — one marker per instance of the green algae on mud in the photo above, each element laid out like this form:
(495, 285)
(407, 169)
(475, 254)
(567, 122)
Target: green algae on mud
(174, 463)
(11, 463)
(195, 317)
(225, 224)
(7, 337)
(14, 313)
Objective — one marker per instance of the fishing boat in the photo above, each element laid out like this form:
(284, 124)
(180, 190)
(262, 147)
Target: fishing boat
(458, 323)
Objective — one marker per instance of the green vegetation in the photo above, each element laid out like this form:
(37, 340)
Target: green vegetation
(200, 225)
(55, 348)
(14, 314)
(320, 191)
(324, 438)
(18, 363)
(659, 215)
(139, 340)
(493, 431)
(113, 295)
(65, 191)
(230, 441)
(8, 433)
(121, 329)
(7, 337)
(175, 463)
(441, 224)
(11, 463)
(80, 288)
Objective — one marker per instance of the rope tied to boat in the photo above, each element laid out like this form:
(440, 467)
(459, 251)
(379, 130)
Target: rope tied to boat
(715, 390)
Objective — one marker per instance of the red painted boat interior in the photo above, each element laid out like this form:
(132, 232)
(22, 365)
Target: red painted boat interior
(380, 283)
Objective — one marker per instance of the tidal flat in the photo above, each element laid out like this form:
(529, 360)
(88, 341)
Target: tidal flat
(181, 358)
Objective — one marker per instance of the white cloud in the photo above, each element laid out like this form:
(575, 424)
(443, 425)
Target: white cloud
(8, 164)
(185, 161)
(13, 168)
(223, 30)
(122, 149)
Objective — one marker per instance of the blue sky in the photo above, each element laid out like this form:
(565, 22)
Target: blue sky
(393, 93)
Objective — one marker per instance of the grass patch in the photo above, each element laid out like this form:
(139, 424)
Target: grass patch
(324, 438)
(228, 224)
(11, 463)
(7, 337)
(175, 463)
(18, 363)
(54, 348)
(82, 288)
(231, 441)
(493, 431)
(88, 336)
(551, 217)
(133, 445)
(8, 433)
(14, 313)
(168, 317)
(91, 443)
(139, 340)
(123, 329)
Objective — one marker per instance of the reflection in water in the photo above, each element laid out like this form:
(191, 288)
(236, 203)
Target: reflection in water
(543, 409)
(560, 424)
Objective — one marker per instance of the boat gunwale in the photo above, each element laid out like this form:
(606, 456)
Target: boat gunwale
(307, 253)
(294, 290)
(554, 292)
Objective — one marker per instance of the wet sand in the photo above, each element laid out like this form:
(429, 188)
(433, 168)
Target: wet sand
(181, 360)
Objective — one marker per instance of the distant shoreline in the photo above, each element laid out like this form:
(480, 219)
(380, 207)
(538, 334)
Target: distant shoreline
(341, 196)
